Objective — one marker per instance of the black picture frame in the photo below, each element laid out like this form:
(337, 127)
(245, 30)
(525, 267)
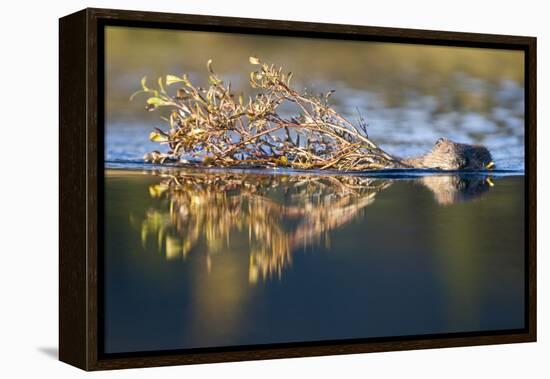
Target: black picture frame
(81, 111)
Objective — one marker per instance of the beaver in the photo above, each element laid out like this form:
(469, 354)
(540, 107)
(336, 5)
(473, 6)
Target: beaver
(450, 155)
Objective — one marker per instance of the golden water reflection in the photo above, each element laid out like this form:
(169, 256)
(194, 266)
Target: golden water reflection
(279, 214)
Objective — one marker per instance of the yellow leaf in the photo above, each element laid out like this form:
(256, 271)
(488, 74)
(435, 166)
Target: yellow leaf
(171, 79)
(157, 190)
(161, 86)
(157, 137)
(195, 131)
(157, 101)
(254, 60)
(143, 83)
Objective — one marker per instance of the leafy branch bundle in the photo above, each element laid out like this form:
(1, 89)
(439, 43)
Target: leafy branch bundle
(215, 127)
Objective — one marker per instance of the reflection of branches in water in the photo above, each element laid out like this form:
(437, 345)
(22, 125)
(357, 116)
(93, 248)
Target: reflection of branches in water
(212, 208)
(280, 213)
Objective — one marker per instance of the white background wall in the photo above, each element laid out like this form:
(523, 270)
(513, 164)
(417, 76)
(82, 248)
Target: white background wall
(28, 198)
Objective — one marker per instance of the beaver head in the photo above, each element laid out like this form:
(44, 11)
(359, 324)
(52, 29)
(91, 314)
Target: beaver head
(449, 155)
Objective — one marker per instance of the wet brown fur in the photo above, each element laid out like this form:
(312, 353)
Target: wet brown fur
(449, 155)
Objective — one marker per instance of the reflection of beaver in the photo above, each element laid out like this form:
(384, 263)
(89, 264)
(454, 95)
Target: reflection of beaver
(452, 189)
(449, 155)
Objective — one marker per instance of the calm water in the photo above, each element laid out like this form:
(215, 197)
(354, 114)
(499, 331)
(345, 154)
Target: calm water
(225, 258)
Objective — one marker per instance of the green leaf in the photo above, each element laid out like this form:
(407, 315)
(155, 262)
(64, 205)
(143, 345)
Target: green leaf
(171, 79)
(144, 89)
(186, 81)
(157, 137)
(136, 93)
(161, 86)
(143, 84)
(213, 80)
(157, 101)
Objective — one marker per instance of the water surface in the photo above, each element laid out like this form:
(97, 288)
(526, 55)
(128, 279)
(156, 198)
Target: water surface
(216, 258)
